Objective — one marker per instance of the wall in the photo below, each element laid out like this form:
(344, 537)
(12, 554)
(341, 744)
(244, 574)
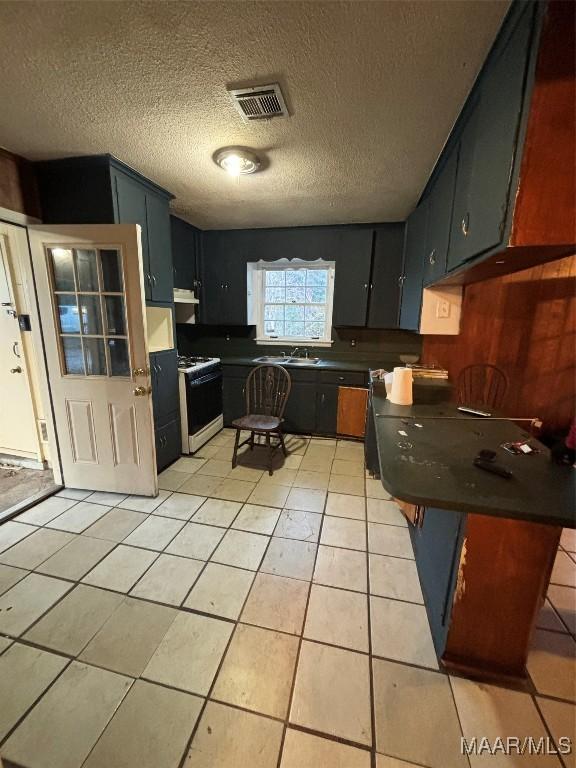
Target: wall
(525, 323)
(18, 190)
(380, 348)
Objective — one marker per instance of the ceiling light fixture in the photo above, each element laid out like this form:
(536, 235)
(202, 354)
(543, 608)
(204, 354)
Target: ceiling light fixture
(237, 161)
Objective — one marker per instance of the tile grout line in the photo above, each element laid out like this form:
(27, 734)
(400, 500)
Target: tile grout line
(370, 648)
(237, 622)
(217, 673)
(300, 640)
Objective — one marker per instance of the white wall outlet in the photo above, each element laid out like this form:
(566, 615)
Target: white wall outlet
(442, 308)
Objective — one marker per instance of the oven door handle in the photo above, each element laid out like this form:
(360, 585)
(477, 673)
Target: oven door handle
(205, 379)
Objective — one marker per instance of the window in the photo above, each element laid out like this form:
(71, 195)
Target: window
(292, 302)
(89, 303)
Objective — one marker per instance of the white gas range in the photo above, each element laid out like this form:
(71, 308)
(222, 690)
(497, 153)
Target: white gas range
(200, 386)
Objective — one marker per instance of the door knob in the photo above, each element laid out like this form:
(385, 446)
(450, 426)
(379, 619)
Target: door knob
(140, 391)
(18, 369)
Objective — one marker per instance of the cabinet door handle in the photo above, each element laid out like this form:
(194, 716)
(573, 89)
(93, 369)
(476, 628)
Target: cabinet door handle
(322, 399)
(153, 279)
(401, 280)
(158, 369)
(148, 278)
(365, 286)
(371, 286)
(466, 224)
(432, 257)
(340, 378)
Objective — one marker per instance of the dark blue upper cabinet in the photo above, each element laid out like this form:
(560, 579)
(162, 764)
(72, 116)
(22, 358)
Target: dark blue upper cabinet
(130, 208)
(440, 204)
(352, 253)
(488, 144)
(413, 268)
(185, 253)
(384, 305)
(225, 255)
(99, 189)
(160, 248)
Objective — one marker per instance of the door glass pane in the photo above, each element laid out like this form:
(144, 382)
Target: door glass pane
(86, 270)
(115, 315)
(111, 271)
(91, 314)
(62, 268)
(68, 313)
(95, 357)
(119, 359)
(72, 351)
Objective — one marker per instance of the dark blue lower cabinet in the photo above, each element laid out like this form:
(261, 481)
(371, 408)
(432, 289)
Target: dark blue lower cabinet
(166, 406)
(233, 398)
(168, 444)
(300, 413)
(437, 540)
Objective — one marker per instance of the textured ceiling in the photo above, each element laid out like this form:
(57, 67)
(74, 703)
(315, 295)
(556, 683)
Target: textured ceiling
(373, 87)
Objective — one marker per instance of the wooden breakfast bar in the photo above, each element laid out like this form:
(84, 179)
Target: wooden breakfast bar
(484, 545)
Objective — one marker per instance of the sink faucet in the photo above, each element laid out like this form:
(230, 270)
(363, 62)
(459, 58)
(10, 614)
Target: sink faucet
(294, 352)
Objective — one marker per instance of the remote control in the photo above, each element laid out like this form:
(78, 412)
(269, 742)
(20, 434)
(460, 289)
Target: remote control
(473, 411)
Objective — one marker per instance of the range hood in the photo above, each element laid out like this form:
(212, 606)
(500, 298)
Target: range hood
(185, 303)
(184, 296)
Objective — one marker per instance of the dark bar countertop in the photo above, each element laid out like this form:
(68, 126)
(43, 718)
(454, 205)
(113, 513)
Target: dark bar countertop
(432, 464)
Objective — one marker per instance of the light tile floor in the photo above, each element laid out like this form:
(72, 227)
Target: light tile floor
(241, 619)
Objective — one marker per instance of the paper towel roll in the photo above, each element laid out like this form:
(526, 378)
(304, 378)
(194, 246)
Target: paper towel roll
(401, 392)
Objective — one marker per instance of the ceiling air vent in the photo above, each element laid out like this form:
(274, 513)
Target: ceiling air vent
(259, 103)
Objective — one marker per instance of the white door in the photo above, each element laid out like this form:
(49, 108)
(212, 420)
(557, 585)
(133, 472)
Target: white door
(90, 289)
(18, 435)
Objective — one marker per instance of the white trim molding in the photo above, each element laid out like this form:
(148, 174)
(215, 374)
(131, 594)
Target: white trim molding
(15, 217)
(255, 299)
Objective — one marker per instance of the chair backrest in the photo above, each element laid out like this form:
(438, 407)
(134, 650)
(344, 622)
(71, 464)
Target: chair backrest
(267, 390)
(482, 385)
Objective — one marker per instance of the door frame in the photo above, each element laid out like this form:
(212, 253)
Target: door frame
(17, 223)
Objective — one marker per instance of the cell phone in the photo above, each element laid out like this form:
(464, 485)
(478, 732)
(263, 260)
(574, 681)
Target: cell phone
(511, 448)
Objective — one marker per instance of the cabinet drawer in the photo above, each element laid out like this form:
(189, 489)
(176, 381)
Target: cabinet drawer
(236, 371)
(343, 378)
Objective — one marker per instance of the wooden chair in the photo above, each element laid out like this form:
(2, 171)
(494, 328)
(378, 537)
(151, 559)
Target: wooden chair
(267, 391)
(482, 385)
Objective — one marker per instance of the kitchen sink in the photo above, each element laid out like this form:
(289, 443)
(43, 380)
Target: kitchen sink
(271, 359)
(287, 360)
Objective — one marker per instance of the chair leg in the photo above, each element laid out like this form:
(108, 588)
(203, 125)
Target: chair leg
(282, 443)
(270, 453)
(235, 454)
(251, 441)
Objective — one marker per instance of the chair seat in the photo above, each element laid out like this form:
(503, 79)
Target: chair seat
(257, 421)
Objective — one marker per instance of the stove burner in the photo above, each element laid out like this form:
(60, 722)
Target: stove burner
(188, 361)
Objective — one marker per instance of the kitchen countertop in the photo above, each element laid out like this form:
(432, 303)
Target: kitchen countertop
(432, 465)
(323, 365)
